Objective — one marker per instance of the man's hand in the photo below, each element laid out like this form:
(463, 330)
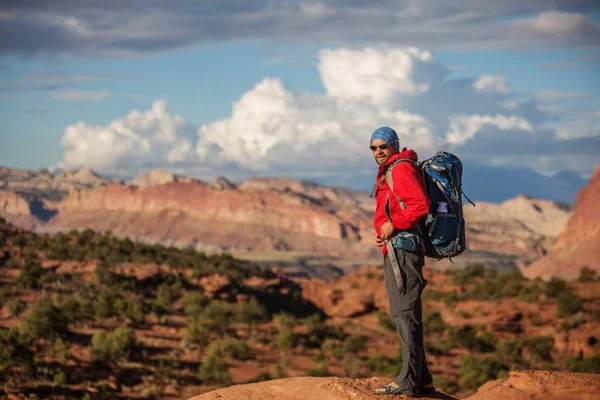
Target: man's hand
(378, 241)
(387, 230)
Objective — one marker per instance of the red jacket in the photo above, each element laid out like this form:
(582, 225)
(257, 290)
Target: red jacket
(409, 186)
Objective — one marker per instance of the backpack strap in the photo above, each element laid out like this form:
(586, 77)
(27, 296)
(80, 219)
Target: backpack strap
(391, 253)
(390, 181)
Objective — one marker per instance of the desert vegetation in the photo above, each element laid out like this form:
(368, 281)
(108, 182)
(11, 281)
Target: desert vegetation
(87, 315)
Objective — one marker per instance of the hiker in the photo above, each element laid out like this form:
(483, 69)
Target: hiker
(403, 270)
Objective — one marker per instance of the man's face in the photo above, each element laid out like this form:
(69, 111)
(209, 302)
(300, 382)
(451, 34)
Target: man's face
(382, 155)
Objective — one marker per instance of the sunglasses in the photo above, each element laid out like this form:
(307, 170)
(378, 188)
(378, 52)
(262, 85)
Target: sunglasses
(382, 146)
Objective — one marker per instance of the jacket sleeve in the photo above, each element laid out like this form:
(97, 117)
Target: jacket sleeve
(408, 185)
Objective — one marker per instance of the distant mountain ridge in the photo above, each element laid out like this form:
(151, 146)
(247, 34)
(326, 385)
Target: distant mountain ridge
(489, 183)
(258, 215)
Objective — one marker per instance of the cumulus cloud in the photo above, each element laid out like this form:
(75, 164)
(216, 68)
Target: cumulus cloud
(378, 75)
(129, 28)
(275, 131)
(464, 127)
(72, 95)
(491, 84)
(127, 145)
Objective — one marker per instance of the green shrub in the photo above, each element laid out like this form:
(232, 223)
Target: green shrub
(286, 340)
(442, 382)
(451, 297)
(61, 350)
(164, 299)
(588, 365)
(196, 333)
(573, 322)
(16, 359)
(194, 303)
(587, 275)
(475, 371)
(276, 372)
(104, 305)
(467, 275)
(384, 321)
(467, 337)
(555, 287)
(115, 346)
(229, 348)
(29, 277)
(432, 295)
(77, 310)
(540, 347)
(433, 322)
(318, 330)
(320, 370)
(250, 313)
(60, 379)
(213, 371)
(219, 316)
(5, 295)
(497, 285)
(440, 347)
(388, 366)
(131, 308)
(568, 304)
(103, 275)
(285, 320)
(351, 364)
(531, 294)
(333, 348)
(354, 344)
(18, 240)
(44, 321)
(15, 307)
(509, 351)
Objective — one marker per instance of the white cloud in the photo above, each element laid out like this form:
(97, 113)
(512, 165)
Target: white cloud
(72, 95)
(154, 137)
(491, 84)
(581, 125)
(554, 23)
(555, 95)
(378, 74)
(275, 131)
(464, 127)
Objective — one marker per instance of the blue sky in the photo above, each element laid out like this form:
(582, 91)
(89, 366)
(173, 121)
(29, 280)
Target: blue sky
(525, 73)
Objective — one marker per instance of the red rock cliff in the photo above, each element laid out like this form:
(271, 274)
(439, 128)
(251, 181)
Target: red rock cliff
(578, 245)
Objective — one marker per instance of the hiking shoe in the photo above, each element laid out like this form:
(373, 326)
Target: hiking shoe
(427, 389)
(393, 388)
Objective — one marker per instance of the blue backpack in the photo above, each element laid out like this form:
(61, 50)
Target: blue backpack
(443, 229)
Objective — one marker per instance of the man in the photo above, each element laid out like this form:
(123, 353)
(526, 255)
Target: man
(404, 281)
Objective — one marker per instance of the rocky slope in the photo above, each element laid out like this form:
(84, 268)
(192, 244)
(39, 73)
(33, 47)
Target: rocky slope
(578, 245)
(269, 214)
(520, 385)
(44, 184)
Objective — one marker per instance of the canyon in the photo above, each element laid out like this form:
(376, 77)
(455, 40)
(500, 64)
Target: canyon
(267, 219)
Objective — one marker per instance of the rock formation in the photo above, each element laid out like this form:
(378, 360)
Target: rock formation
(262, 214)
(521, 385)
(578, 245)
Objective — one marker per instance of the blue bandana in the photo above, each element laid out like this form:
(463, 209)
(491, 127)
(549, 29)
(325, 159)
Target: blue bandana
(386, 134)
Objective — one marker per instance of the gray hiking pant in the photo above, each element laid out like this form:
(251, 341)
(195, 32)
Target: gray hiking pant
(406, 312)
